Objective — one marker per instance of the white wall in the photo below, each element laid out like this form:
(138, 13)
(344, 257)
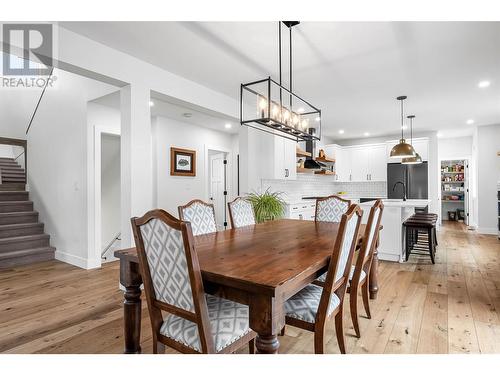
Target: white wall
(455, 148)
(173, 191)
(488, 175)
(57, 165)
(110, 190)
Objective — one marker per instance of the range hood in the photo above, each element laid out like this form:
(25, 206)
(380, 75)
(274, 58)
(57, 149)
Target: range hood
(310, 163)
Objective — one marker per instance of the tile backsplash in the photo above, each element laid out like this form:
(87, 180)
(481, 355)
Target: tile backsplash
(311, 185)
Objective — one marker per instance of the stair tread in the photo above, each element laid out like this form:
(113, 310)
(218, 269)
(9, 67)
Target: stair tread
(9, 203)
(24, 238)
(19, 225)
(20, 213)
(25, 252)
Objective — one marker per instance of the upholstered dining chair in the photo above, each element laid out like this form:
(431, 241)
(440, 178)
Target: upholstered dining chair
(241, 213)
(331, 208)
(195, 322)
(313, 306)
(201, 215)
(359, 275)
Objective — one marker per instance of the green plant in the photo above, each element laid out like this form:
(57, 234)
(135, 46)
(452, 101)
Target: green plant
(267, 206)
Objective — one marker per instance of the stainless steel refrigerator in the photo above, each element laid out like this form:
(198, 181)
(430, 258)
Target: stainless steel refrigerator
(414, 176)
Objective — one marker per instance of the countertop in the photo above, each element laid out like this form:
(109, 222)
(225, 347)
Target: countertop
(401, 203)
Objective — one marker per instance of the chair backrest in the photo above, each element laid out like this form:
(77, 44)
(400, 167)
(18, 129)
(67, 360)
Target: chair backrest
(171, 272)
(370, 239)
(339, 268)
(201, 215)
(331, 209)
(241, 213)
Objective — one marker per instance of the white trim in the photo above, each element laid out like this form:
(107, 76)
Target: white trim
(76, 260)
(487, 231)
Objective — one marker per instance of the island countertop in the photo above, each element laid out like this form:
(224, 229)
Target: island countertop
(401, 203)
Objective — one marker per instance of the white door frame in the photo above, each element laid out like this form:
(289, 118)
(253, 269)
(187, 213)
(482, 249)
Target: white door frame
(95, 230)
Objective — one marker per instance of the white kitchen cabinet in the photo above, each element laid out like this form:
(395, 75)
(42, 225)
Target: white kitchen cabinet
(337, 152)
(284, 159)
(301, 211)
(378, 163)
(364, 163)
(360, 163)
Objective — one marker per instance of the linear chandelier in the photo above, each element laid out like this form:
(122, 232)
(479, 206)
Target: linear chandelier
(269, 106)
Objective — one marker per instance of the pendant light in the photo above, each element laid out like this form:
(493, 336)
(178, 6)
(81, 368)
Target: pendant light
(402, 149)
(417, 159)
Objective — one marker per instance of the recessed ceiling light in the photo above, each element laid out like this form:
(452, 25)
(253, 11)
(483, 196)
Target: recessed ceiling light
(470, 121)
(227, 125)
(341, 131)
(187, 114)
(151, 103)
(439, 134)
(300, 110)
(318, 119)
(484, 84)
(366, 134)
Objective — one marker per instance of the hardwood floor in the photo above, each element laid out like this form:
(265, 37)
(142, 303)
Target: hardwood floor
(450, 307)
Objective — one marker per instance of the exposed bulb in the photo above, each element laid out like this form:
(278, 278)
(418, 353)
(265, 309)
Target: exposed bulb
(262, 106)
(286, 115)
(295, 120)
(275, 111)
(305, 124)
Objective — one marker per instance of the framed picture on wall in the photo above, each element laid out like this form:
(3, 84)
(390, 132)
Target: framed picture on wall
(182, 162)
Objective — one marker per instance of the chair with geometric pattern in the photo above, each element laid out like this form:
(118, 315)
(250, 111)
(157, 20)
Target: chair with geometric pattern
(359, 275)
(331, 209)
(314, 305)
(194, 322)
(201, 215)
(241, 213)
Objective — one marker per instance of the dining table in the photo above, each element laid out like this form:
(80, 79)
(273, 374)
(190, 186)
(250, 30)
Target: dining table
(260, 265)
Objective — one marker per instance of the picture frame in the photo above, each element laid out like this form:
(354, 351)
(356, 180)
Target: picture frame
(182, 162)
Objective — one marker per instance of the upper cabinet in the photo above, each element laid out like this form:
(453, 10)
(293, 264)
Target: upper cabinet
(361, 163)
(285, 161)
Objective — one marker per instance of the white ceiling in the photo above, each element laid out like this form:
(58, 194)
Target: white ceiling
(161, 106)
(353, 71)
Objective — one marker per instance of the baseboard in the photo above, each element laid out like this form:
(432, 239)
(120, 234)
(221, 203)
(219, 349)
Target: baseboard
(481, 230)
(76, 260)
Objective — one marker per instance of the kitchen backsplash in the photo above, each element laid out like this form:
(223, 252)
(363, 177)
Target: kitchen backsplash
(310, 185)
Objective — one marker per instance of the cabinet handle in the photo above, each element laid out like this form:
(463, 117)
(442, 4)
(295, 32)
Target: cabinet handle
(286, 172)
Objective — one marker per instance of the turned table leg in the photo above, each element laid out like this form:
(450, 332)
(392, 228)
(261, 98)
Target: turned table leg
(267, 319)
(130, 278)
(373, 279)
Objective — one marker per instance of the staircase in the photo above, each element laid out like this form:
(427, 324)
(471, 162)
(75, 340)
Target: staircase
(22, 240)
(12, 176)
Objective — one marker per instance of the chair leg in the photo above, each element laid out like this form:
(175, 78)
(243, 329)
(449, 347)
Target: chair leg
(366, 298)
(282, 333)
(319, 335)
(339, 330)
(251, 346)
(353, 300)
(407, 243)
(435, 237)
(158, 347)
(430, 241)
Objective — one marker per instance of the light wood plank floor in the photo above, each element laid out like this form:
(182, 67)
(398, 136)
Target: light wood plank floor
(450, 307)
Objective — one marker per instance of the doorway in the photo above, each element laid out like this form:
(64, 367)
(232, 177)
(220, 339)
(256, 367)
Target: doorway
(218, 186)
(455, 191)
(110, 195)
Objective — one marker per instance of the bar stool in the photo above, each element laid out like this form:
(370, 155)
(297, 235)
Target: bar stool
(430, 216)
(414, 225)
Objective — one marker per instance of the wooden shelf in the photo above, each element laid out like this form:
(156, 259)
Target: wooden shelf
(304, 170)
(325, 160)
(325, 173)
(452, 172)
(301, 153)
(451, 200)
(452, 182)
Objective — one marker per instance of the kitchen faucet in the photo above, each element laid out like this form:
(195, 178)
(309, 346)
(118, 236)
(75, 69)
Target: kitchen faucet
(404, 189)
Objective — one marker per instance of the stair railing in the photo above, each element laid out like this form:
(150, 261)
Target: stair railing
(22, 143)
(111, 243)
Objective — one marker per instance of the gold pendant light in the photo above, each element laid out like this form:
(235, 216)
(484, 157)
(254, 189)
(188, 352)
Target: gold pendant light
(417, 159)
(402, 149)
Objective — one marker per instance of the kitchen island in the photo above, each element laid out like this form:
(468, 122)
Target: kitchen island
(396, 211)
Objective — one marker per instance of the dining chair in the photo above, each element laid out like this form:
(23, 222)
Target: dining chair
(241, 213)
(331, 209)
(314, 305)
(195, 322)
(359, 274)
(201, 215)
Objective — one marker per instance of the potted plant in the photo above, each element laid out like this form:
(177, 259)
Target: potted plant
(267, 205)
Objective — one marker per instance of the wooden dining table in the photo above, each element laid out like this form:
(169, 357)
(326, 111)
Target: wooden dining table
(260, 265)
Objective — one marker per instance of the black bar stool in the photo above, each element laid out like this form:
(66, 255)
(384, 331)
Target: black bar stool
(416, 224)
